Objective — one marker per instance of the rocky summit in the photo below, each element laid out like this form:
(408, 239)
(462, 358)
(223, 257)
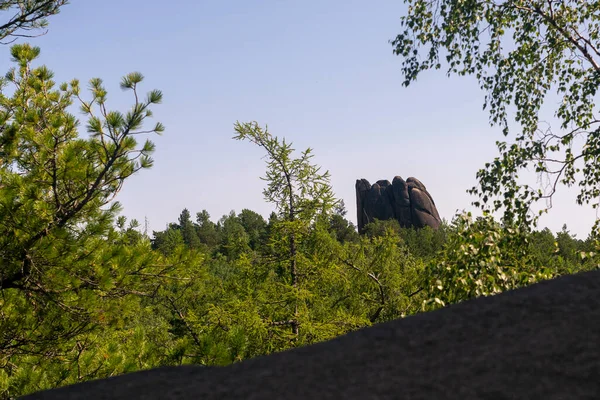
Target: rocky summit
(408, 202)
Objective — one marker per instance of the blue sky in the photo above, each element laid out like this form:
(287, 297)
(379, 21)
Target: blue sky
(320, 73)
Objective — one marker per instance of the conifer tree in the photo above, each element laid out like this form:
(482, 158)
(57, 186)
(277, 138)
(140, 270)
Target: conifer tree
(26, 16)
(207, 230)
(300, 193)
(188, 230)
(65, 271)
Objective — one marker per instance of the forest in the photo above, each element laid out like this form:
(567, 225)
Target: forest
(86, 293)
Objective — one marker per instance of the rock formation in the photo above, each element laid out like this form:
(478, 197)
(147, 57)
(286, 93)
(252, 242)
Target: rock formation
(408, 201)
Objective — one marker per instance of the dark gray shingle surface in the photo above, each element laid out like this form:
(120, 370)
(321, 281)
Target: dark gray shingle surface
(540, 342)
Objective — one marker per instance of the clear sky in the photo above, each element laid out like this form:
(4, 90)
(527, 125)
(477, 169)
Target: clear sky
(320, 73)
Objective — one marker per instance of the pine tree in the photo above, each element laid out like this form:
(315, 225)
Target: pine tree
(188, 230)
(29, 15)
(254, 225)
(66, 272)
(207, 230)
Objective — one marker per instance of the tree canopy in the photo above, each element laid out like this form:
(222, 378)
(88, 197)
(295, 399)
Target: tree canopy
(24, 16)
(524, 54)
(84, 294)
(66, 269)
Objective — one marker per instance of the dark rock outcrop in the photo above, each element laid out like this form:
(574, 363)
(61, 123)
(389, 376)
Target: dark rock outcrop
(539, 342)
(408, 201)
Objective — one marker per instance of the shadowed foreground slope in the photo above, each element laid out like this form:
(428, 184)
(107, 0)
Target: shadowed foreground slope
(539, 342)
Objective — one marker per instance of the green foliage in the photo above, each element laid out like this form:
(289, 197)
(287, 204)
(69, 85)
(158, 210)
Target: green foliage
(26, 15)
(379, 228)
(301, 196)
(255, 226)
(387, 278)
(85, 295)
(482, 258)
(207, 230)
(235, 239)
(188, 230)
(424, 243)
(67, 274)
(296, 187)
(168, 241)
(563, 253)
(344, 230)
(544, 246)
(520, 52)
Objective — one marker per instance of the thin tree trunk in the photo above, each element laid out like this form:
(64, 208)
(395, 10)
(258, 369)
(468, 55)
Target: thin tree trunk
(294, 276)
